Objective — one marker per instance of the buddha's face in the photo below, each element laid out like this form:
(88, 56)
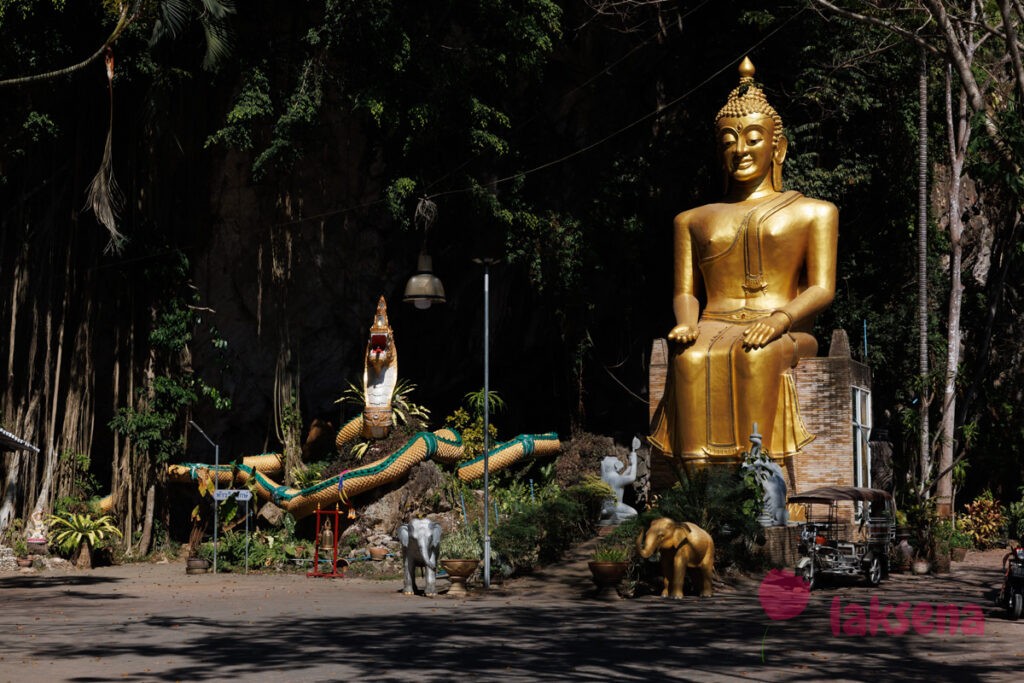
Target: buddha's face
(746, 147)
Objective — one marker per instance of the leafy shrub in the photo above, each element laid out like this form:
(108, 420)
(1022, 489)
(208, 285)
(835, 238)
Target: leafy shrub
(308, 474)
(1015, 517)
(541, 531)
(464, 543)
(983, 520)
(948, 535)
(610, 553)
(73, 529)
(724, 502)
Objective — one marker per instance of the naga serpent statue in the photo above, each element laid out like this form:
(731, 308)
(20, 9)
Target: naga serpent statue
(380, 375)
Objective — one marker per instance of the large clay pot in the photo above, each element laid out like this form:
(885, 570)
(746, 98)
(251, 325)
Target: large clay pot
(607, 576)
(196, 565)
(378, 554)
(459, 572)
(958, 554)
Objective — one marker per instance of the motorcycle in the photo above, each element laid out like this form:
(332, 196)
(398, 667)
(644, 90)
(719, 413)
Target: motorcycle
(1013, 588)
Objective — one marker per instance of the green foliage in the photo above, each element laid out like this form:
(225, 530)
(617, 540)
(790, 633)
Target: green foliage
(14, 536)
(474, 400)
(540, 532)
(84, 485)
(723, 502)
(19, 546)
(309, 474)
(983, 520)
(949, 535)
(611, 553)
(463, 543)
(74, 529)
(398, 196)
(24, 7)
(174, 16)
(404, 409)
(472, 431)
(268, 550)
(1015, 517)
(153, 423)
(252, 105)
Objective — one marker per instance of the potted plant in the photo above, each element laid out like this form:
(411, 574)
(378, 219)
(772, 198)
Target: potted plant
(78, 533)
(607, 568)
(461, 551)
(20, 548)
(194, 564)
(903, 530)
(951, 540)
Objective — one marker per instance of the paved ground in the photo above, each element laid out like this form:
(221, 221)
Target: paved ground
(153, 622)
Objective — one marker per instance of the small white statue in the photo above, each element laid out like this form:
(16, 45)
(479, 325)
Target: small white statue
(36, 529)
(614, 510)
(773, 483)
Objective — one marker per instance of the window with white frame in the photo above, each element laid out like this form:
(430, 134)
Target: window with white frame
(861, 433)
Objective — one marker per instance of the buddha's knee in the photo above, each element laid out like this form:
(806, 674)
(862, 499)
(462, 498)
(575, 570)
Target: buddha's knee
(691, 363)
(753, 363)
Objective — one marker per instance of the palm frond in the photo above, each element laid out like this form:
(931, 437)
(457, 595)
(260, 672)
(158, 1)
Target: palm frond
(104, 198)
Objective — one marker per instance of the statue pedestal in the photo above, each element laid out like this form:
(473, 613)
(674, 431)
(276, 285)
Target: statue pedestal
(834, 393)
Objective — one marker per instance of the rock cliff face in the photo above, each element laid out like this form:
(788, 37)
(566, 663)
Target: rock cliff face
(293, 281)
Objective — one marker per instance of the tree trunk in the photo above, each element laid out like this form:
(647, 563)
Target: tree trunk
(959, 133)
(924, 456)
(84, 560)
(147, 526)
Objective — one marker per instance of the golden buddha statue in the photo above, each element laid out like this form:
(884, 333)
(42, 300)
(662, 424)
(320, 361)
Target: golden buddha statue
(764, 263)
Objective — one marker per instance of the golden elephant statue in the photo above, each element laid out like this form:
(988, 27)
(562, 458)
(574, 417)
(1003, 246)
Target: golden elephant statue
(683, 546)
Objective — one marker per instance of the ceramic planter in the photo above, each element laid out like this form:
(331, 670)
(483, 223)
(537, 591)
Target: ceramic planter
(459, 572)
(607, 576)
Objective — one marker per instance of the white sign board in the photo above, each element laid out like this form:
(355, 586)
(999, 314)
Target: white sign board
(224, 494)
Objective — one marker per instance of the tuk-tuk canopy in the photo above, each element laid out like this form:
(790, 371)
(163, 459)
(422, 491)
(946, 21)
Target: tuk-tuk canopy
(828, 494)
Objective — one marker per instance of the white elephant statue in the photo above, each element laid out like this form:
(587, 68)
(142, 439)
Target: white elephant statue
(421, 539)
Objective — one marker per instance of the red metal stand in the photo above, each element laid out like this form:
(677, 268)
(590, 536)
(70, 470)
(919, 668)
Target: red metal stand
(337, 565)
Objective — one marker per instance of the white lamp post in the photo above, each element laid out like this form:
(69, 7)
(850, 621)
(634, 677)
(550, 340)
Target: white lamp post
(216, 481)
(487, 263)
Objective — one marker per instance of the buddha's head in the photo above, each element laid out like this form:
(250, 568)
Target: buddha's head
(750, 136)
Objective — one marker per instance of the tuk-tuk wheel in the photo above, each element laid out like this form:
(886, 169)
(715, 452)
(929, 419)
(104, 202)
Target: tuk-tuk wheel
(806, 572)
(874, 571)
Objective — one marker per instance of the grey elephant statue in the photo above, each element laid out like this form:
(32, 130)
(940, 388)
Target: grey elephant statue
(682, 546)
(421, 539)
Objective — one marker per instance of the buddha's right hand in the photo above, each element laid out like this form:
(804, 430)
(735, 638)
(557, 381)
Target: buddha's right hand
(683, 334)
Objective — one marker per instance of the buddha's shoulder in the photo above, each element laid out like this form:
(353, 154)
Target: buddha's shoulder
(700, 214)
(816, 208)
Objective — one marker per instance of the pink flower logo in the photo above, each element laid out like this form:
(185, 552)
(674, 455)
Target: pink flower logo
(783, 595)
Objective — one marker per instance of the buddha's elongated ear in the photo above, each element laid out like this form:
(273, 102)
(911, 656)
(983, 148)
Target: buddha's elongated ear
(778, 158)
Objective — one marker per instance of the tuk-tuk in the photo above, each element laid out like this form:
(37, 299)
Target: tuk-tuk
(830, 547)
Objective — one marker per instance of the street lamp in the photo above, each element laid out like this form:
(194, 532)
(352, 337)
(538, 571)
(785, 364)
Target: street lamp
(487, 263)
(424, 288)
(216, 478)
